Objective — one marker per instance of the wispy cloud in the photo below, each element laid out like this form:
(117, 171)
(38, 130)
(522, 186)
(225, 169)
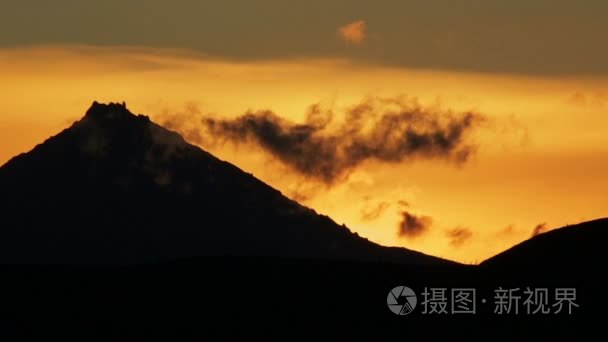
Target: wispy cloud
(459, 236)
(372, 212)
(354, 33)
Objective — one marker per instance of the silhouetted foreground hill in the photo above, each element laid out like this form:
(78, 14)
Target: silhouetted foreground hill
(116, 188)
(569, 248)
(118, 230)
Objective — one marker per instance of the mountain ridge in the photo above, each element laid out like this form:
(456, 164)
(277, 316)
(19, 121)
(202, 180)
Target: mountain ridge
(107, 163)
(86, 254)
(132, 154)
(570, 246)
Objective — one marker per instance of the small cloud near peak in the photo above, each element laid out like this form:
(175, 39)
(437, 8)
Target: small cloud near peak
(354, 33)
(414, 225)
(539, 229)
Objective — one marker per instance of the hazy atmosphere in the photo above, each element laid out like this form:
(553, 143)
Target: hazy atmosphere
(502, 105)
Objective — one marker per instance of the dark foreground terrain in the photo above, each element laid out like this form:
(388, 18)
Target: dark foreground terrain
(229, 298)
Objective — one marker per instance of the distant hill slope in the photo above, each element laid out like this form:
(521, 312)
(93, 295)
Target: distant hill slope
(116, 188)
(570, 248)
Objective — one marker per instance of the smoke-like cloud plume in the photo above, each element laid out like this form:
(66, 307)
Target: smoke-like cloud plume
(458, 236)
(372, 212)
(540, 228)
(413, 225)
(389, 130)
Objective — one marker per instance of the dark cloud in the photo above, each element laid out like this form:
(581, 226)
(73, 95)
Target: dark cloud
(390, 130)
(540, 228)
(412, 225)
(370, 213)
(458, 236)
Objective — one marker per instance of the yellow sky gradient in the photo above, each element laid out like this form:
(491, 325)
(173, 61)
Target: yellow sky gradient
(543, 154)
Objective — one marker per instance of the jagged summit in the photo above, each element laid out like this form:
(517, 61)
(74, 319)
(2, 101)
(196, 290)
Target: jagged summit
(117, 188)
(110, 111)
(102, 108)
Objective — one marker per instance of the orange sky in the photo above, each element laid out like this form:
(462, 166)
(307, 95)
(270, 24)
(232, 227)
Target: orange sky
(542, 157)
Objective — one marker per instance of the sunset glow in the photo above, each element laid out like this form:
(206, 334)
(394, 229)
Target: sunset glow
(542, 152)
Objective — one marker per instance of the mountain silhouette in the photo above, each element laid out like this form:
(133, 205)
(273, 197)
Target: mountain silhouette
(118, 229)
(116, 188)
